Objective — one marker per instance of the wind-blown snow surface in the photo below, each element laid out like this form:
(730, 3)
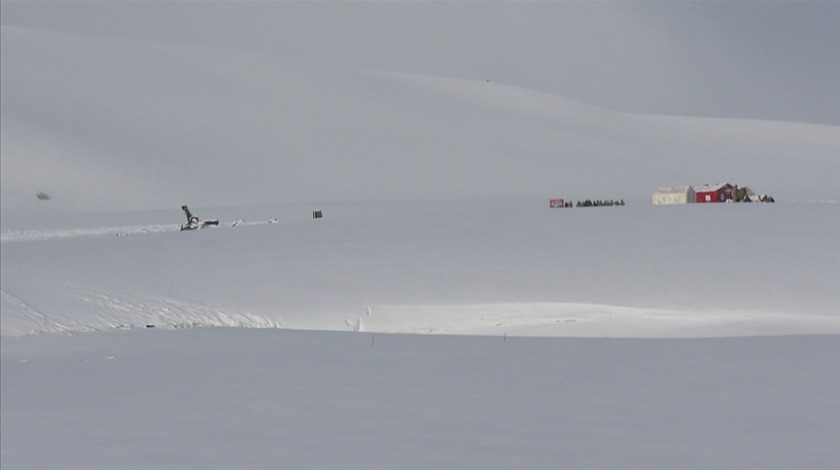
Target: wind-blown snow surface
(488, 267)
(241, 398)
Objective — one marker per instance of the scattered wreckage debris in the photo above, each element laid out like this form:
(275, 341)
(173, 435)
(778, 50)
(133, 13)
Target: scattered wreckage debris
(194, 223)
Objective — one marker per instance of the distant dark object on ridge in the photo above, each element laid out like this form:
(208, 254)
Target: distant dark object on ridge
(42, 196)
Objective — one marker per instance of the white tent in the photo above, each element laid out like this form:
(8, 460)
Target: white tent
(674, 195)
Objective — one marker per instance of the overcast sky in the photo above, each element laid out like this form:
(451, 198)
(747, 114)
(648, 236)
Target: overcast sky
(767, 60)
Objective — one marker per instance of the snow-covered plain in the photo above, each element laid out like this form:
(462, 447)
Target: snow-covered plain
(476, 267)
(615, 337)
(245, 398)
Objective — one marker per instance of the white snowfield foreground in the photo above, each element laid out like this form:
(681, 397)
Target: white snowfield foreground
(514, 268)
(223, 398)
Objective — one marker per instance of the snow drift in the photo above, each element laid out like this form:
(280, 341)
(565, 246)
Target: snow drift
(476, 267)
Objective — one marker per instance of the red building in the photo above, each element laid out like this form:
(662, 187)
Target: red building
(720, 192)
(555, 203)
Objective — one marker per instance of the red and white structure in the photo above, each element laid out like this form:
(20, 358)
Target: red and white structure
(720, 192)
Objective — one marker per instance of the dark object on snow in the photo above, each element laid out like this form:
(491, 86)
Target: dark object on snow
(317, 214)
(42, 196)
(186, 210)
(193, 222)
(150, 326)
(740, 194)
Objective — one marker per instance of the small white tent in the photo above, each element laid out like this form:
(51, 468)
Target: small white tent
(674, 195)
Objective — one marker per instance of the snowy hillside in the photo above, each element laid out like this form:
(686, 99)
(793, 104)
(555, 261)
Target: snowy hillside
(125, 125)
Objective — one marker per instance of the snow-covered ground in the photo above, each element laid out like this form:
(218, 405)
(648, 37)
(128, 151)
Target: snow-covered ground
(242, 398)
(751, 290)
(697, 336)
(480, 267)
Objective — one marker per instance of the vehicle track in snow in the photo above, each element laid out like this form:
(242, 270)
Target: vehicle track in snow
(35, 235)
(120, 231)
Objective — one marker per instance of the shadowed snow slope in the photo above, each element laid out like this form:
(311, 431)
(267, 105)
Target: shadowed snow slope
(103, 124)
(239, 398)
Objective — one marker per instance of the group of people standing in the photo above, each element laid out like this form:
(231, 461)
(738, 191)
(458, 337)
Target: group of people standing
(600, 203)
